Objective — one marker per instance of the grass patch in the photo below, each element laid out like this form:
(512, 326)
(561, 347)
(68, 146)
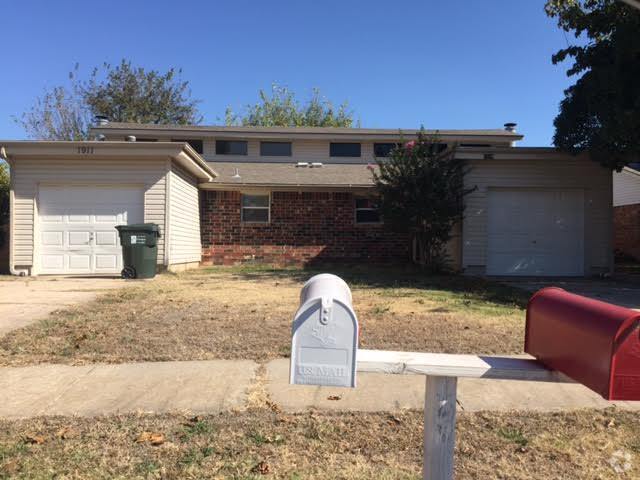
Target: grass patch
(245, 312)
(263, 444)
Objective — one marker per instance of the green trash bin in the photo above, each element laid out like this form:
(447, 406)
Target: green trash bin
(139, 249)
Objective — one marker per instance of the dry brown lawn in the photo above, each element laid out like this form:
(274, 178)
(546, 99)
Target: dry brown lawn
(246, 313)
(259, 443)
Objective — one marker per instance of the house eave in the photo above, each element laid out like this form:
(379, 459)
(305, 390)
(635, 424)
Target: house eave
(284, 133)
(182, 153)
(279, 187)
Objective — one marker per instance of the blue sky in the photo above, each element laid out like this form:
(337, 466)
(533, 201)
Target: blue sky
(441, 64)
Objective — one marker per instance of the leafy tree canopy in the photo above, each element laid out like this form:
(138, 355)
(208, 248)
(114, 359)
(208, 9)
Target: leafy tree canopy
(123, 93)
(282, 109)
(59, 114)
(422, 193)
(601, 111)
(132, 94)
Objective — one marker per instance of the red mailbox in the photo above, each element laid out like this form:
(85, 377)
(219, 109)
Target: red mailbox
(593, 342)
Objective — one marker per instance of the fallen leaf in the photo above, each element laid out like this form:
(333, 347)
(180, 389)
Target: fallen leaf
(151, 437)
(273, 406)
(262, 468)
(34, 439)
(395, 419)
(66, 432)
(10, 468)
(334, 397)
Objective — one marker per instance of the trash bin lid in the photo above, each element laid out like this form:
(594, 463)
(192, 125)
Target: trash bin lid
(139, 227)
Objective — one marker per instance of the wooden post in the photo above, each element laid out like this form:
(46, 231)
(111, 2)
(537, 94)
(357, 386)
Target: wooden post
(439, 427)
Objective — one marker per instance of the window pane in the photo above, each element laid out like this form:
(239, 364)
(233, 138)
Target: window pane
(275, 149)
(383, 149)
(255, 215)
(438, 147)
(344, 150)
(195, 144)
(366, 203)
(231, 147)
(255, 200)
(367, 216)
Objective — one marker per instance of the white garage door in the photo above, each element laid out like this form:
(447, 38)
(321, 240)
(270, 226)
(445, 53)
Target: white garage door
(76, 227)
(535, 232)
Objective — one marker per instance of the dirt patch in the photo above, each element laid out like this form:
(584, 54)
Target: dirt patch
(229, 314)
(266, 444)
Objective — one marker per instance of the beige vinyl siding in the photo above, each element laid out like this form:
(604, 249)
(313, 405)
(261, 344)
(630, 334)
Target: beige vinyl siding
(626, 188)
(27, 174)
(184, 218)
(553, 173)
(301, 151)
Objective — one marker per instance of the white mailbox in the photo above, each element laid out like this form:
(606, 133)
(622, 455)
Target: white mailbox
(324, 340)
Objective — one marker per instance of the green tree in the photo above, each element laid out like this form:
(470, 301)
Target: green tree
(421, 188)
(282, 109)
(601, 111)
(123, 93)
(132, 94)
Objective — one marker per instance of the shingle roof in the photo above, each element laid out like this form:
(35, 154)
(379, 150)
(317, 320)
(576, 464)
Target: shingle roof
(338, 131)
(288, 174)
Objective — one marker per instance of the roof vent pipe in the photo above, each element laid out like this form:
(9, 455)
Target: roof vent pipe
(101, 120)
(130, 138)
(511, 128)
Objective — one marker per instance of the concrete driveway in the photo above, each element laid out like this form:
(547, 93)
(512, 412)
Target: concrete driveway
(27, 300)
(624, 293)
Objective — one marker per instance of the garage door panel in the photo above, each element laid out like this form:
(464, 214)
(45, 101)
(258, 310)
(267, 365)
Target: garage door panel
(535, 232)
(106, 262)
(51, 218)
(515, 264)
(107, 238)
(107, 218)
(78, 239)
(80, 262)
(78, 226)
(52, 238)
(53, 262)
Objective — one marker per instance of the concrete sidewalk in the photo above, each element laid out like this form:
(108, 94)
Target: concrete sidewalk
(219, 385)
(382, 392)
(158, 387)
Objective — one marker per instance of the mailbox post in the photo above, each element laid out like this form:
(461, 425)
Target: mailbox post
(324, 351)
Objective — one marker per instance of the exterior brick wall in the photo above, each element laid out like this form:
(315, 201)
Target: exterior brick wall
(305, 227)
(626, 227)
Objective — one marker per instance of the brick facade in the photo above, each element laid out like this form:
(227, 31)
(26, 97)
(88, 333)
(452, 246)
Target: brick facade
(626, 227)
(305, 227)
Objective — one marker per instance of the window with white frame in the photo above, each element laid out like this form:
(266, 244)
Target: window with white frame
(367, 210)
(255, 207)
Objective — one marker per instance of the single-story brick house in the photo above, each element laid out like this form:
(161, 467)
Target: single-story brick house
(626, 211)
(225, 195)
